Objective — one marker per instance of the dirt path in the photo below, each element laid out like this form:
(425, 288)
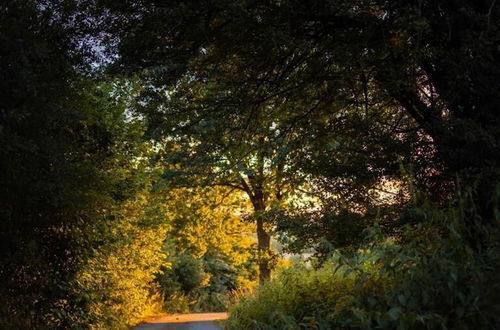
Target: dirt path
(195, 321)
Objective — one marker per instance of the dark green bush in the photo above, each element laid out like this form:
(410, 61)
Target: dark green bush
(197, 284)
(444, 276)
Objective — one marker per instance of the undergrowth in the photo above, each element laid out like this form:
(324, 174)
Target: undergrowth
(441, 275)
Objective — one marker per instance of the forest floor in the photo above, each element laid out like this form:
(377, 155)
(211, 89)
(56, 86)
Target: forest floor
(194, 321)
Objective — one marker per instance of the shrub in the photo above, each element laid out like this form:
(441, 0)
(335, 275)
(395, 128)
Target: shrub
(444, 276)
(117, 283)
(298, 297)
(198, 284)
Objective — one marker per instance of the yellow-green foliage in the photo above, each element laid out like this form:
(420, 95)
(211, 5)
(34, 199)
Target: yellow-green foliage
(209, 217)
(125, 228)
(118, 279)
(209, 248)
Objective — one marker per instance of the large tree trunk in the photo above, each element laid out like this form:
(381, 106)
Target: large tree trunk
(255, 192)
(264, 245)
(263, 238)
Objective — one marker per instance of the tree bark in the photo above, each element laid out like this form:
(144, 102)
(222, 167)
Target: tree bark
(255, 192)
(264, 246)
(263, 238)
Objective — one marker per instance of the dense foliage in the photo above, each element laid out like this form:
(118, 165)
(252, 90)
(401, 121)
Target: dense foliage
(80, 231)
(152, 150)
(211, 254)
(348, 92)
(434, 281)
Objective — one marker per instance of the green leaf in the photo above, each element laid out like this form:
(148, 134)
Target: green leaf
(394, 313)
(402, 299)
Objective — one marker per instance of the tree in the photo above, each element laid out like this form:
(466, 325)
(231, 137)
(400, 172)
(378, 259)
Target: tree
(40, 131)
(211, 251)
(245, 105)
(76, 208)
(213, 149)
(437, 60)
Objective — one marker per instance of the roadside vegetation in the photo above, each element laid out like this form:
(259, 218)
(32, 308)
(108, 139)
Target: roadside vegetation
(301, 164)
(431, 279)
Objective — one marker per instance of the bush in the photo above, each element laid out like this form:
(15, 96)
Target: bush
(198, 284)
(117, 283)
(298, 297)
(209, 253)
(443, 277)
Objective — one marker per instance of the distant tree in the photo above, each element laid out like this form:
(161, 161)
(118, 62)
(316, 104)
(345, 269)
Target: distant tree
(210, 247)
